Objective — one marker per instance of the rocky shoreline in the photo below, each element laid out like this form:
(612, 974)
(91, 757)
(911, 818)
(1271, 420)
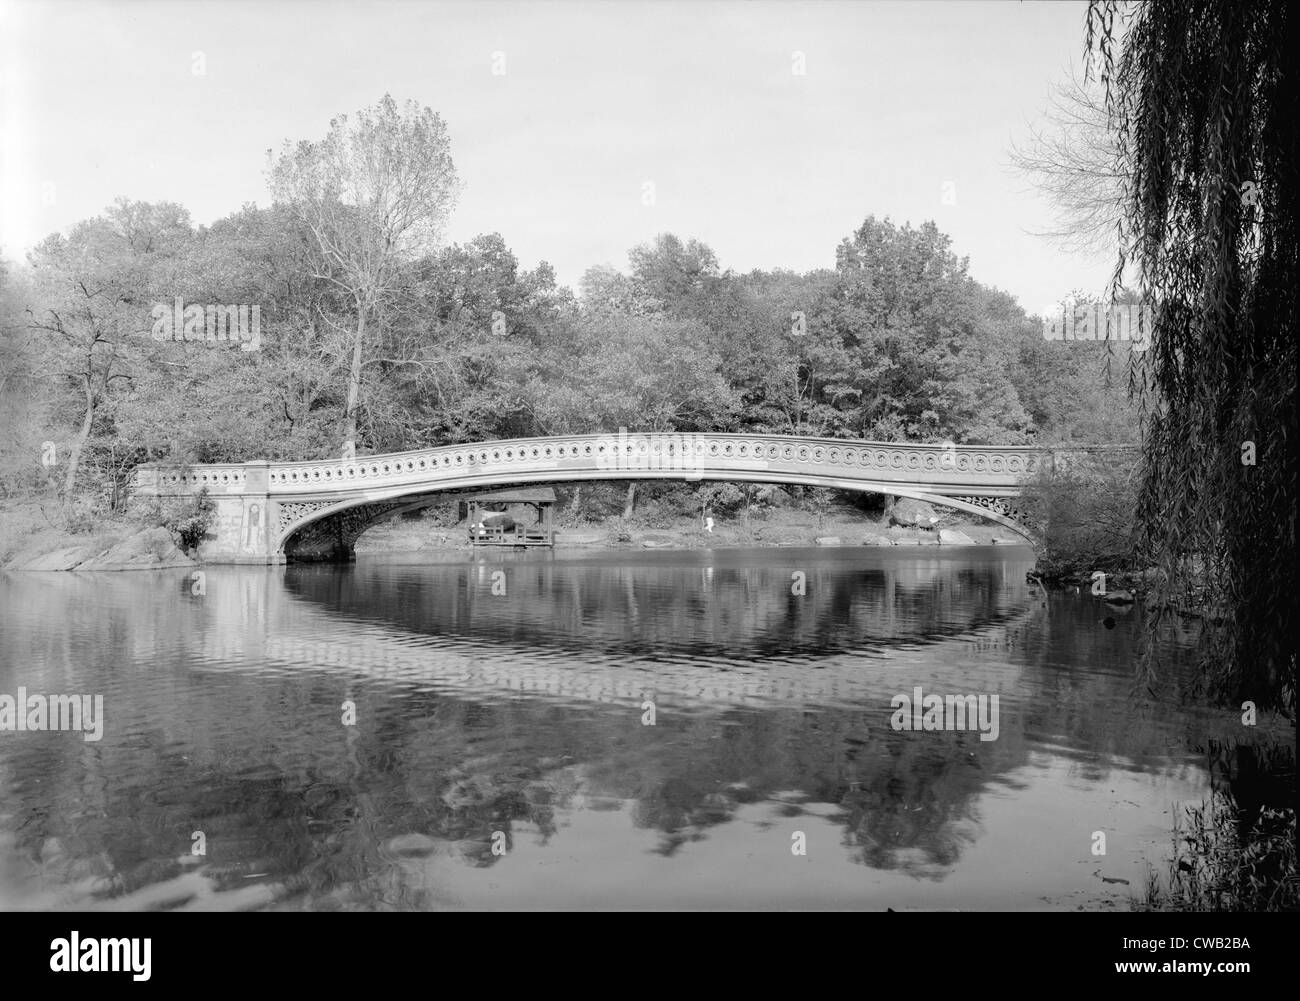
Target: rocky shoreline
(143, 549)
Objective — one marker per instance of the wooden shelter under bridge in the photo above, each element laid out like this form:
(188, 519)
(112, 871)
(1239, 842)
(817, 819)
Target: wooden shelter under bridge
(478, 507)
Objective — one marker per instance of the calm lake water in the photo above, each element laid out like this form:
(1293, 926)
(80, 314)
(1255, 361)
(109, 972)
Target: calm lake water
(499, 757)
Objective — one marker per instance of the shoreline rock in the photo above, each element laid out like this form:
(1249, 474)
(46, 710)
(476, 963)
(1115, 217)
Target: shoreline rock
(910, 513)
(147, 549)
(66, 558)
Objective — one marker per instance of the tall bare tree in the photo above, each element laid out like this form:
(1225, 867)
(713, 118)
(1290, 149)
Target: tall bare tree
(375, 193)
(1073, 160)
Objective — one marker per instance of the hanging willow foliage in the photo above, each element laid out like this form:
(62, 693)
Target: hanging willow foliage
(1205, 111)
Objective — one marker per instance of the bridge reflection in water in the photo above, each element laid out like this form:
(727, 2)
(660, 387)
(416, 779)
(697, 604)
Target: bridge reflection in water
(520, 715)
(723, 634)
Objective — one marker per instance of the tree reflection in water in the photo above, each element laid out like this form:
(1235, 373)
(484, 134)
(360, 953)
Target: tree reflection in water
(517, 715)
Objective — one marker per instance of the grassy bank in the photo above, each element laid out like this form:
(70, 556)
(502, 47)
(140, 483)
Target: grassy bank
(29, 528)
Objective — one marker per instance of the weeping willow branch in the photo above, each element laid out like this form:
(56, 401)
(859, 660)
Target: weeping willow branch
(1204, 106)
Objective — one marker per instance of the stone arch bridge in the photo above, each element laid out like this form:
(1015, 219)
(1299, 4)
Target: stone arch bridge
(273, 512)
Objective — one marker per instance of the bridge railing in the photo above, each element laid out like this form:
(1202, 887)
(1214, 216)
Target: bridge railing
(688, 454)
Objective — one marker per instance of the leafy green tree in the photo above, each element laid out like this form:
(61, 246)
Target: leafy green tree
(672, 273)
(912, 316)
(644, 373)
(201, 402)
(95, 288)
(480, 330)
(1073, 391)
(26, 398)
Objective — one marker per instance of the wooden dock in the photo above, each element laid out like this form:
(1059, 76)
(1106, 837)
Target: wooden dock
(542, 500)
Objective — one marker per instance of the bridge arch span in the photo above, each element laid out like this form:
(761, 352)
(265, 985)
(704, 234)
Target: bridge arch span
(330, 530)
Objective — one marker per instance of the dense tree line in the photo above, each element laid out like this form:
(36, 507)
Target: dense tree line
(897, 342)
(375, 336)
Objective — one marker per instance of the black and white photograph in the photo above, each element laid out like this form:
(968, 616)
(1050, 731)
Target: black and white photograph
(647, 456)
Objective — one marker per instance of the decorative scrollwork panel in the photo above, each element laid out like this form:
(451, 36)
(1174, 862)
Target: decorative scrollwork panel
(1009, 507)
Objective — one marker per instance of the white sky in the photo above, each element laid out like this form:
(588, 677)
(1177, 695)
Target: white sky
(769, 168)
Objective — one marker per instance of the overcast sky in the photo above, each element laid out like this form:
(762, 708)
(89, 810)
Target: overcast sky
(768, 167)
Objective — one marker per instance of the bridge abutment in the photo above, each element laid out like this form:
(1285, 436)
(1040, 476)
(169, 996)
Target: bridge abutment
(243, 525)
